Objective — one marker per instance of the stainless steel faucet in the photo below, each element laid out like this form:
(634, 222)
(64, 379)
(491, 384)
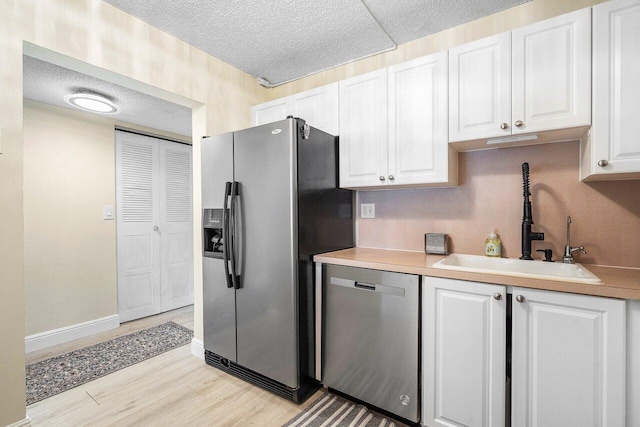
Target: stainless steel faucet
(568, 249)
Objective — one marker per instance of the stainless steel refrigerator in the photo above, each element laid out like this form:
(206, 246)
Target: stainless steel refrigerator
(270, 202)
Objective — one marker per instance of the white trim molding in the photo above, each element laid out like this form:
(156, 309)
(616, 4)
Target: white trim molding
(70, 333)
(197, 348)
(22, 423)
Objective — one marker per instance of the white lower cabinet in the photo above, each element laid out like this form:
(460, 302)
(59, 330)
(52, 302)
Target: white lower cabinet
(568, 360)
(464, 353)
(568, 357)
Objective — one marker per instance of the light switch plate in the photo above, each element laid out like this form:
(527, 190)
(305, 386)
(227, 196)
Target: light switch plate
(367, 210)
(107, 212)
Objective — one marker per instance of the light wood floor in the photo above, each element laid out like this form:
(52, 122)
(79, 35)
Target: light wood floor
(172, 389)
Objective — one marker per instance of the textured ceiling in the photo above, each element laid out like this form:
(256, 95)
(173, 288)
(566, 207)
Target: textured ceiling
(287, 39)
(279, 41)
(49, 83)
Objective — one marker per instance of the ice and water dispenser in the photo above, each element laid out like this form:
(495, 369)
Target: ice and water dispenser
(212, 228)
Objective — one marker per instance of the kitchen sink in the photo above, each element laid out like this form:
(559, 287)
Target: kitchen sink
(518, 268)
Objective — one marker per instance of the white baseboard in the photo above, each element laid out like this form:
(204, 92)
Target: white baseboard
(197, 348)
(70, 333)
(22, 423)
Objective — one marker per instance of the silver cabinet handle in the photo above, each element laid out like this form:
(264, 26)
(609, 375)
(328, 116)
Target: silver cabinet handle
(518, 123)
(504, 125)
(497, 296)
(156, 228)
(391, 178)
(520, 298)
(602, 163)
(381, 178)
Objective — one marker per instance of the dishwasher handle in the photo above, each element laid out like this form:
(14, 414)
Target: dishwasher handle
(367, 287)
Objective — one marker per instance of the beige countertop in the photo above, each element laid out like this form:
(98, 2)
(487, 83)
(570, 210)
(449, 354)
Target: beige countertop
(616, 282)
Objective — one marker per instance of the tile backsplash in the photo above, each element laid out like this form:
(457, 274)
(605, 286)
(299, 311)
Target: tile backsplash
(605, 214)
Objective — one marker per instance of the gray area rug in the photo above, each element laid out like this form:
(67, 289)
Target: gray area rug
(52, 376)
(330, 410)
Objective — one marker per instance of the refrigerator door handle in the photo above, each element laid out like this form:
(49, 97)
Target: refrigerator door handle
(235, 277)
(225, 234)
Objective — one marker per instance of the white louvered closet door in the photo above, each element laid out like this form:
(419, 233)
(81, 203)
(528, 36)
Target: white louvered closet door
(176, 231)
(154, 234)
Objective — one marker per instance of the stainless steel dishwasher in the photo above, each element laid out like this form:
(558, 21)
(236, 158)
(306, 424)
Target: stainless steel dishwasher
(370, 348)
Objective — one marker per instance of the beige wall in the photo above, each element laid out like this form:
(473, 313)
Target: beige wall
(12, 394)
(99, 34)
(606, 215)
(69, 250)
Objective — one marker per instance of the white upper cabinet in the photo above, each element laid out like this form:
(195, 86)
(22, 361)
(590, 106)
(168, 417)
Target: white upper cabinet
(418, 150)
(552, 73)
(319, 107)
(535, 78)
(363, 130)
(394, 127)
(480, 89)
(613, 150)
(271, 111)
(568, 360)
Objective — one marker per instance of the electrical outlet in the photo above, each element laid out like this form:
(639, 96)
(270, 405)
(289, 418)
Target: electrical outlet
(367, 210)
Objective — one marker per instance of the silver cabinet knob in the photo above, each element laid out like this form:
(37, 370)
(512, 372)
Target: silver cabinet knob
(497, 296)
(504, 125)
(156, 228)
(602, 163)
(518, 123)
(391, 178)
(520, 298)
(382, 178)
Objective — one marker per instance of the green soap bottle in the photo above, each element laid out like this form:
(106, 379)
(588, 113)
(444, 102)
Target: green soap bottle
(492, 246)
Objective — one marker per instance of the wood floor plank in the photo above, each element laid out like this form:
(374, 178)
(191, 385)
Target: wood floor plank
(171, 389)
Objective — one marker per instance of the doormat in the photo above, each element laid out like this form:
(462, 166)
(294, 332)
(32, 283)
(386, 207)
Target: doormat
(57, 374)
(333, 411)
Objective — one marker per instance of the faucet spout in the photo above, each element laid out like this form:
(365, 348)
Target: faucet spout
(567, 258)
(527, 218)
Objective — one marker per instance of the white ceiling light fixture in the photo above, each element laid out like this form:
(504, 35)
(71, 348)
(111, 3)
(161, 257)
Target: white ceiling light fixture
(92, 102)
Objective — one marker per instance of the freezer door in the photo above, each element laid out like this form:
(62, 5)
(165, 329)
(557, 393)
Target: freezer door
(266, 301)
(219, 300)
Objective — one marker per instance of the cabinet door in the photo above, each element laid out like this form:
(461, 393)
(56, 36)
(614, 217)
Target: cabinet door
(616, 85)
(568, 365)
(552, 73)
(176, 226)
(418, 127)
(318, 107)
(464, 350)
(363, 130)
(271, 111)
(480, 89)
